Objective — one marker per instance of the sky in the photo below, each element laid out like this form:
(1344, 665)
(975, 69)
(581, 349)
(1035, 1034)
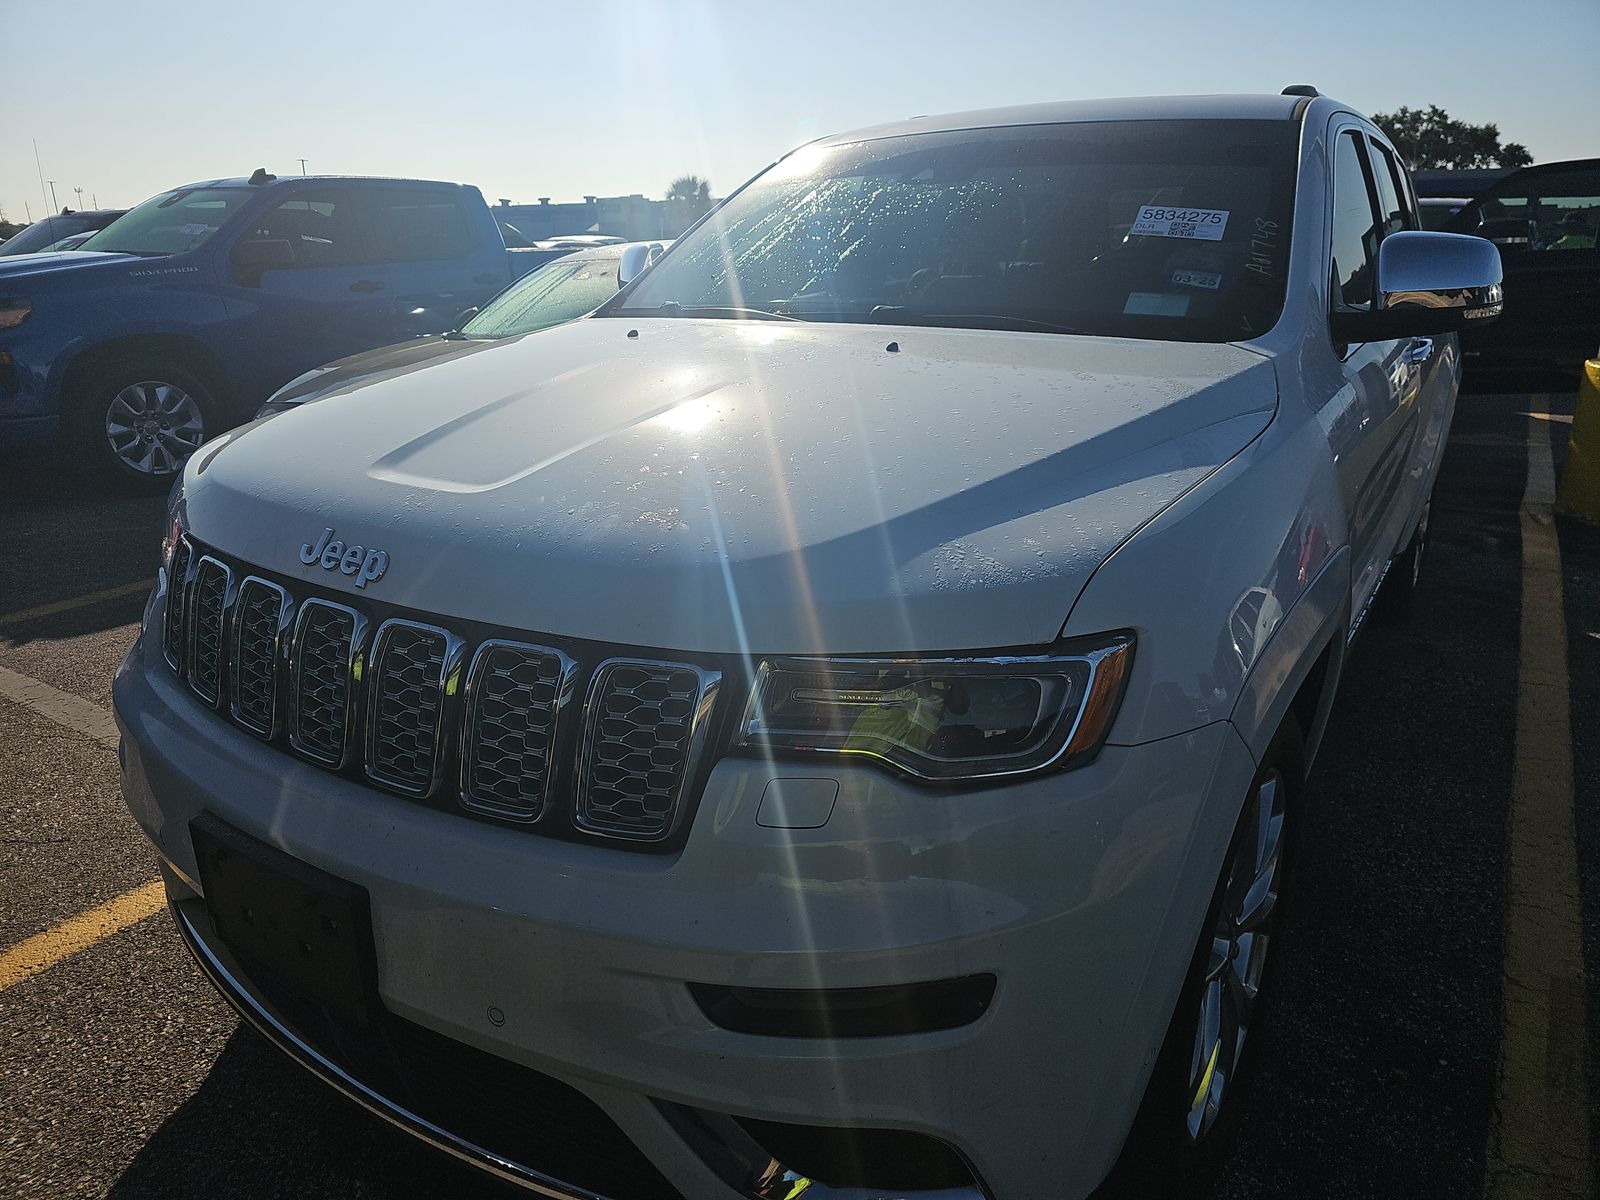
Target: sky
(608, 97)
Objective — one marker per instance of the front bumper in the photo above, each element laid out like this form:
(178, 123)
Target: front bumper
(1082, 894)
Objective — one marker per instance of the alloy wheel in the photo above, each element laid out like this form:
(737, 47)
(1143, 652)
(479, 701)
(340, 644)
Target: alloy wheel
(1237, 954)
(152, 427)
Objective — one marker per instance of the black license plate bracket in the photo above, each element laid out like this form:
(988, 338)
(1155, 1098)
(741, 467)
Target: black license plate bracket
(303, 927)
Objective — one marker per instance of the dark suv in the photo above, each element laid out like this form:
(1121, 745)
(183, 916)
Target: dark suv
(1546, 221)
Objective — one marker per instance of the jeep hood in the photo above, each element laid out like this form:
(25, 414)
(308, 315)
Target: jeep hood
(335, 378)
(715, 486)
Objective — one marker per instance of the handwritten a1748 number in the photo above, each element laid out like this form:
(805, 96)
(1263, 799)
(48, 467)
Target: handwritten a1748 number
(1205, 224)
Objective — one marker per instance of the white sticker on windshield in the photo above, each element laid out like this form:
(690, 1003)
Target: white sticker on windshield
(1202, 224)
(193, 229)
(1184, 277)
(1156, 304)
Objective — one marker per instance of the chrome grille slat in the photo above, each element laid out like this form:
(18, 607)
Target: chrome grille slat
(261, 614)
(515, 694)
(412, 669)
(208, 602)
(644, 728)
(324, 664)
(177, 592)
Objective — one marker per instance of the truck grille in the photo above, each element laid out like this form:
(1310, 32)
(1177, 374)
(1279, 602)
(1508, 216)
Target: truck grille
(639, 734)
(411, 671)
(324, 662)
(385, 701)
(259, 616)
(208, 600)
(514, 694)
(177, 590)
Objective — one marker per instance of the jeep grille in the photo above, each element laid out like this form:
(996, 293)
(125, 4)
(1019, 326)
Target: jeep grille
(391, 701)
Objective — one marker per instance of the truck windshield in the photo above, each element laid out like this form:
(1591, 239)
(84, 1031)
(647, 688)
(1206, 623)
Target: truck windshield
(170, 223)
(1148, 229)
(559, 291)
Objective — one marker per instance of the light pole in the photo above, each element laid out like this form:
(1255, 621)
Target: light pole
(79, 190)
(54, 207)
(302, 166)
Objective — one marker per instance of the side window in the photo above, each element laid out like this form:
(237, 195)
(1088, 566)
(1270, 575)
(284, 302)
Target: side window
(419, 225)
(1355, 229)
(1393, 195)
(1553, 212)
(320, 229)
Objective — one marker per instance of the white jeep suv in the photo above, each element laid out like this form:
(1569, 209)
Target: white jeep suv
(831, 722)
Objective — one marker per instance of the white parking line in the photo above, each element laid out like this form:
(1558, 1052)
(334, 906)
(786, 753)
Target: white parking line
(1539, 1143)
(73, 712)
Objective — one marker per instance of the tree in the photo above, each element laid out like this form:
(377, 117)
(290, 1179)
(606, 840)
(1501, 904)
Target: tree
(1432, 141)
(690, 189)
(688, 198)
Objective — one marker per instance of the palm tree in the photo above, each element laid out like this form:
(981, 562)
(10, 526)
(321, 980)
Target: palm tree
(690, 189)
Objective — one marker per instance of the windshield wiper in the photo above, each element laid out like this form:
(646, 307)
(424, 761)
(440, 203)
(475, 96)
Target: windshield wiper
(672, 308)
(894, 314)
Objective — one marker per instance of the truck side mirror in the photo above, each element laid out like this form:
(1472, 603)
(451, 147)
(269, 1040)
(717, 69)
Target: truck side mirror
(253, 258)
(1427, 283)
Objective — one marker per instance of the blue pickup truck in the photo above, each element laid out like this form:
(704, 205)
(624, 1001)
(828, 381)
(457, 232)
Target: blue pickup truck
(178, 319)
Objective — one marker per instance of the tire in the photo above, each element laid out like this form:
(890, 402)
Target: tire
(133, 422)
(1394, 603)
(1179, 1145)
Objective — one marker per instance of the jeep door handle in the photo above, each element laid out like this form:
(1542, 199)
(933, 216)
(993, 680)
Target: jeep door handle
(1420, 351)
(366, 285)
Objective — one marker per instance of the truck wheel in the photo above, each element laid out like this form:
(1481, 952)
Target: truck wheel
(137, 422)
(1393, 604)
(1188, 1123)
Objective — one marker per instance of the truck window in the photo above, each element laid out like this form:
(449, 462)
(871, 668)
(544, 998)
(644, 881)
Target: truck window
(320, 228)
(559, 291)
(1548, 211)
(170, 223)
(1392, 213)
(416, 225)
(1355, 229)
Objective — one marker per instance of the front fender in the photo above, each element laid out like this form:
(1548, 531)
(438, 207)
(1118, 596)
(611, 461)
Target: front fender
(1209, 582)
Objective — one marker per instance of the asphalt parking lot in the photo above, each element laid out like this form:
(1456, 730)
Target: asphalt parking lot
(1403, 984)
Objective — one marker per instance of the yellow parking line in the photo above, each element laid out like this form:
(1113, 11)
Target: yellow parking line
(61, 606)
(1539, 1144)
(45, 950)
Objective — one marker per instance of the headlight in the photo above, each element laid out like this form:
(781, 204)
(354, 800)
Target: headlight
(943, 718)
(176, 525)
(14, 311)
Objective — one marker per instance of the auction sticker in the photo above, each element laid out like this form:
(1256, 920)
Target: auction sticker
(1201, 224)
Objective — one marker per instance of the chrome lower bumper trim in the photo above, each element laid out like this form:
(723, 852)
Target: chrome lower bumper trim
(253, 1011)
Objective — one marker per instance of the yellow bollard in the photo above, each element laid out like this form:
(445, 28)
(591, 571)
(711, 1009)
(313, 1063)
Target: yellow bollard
(1579, 493)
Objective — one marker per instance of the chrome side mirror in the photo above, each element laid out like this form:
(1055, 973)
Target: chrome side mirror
(1427, 283)
(634, 260)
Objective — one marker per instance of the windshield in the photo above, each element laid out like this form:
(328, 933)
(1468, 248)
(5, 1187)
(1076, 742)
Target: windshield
(1148, 229)
(43, 234)
(558, 291)
(170, 223)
